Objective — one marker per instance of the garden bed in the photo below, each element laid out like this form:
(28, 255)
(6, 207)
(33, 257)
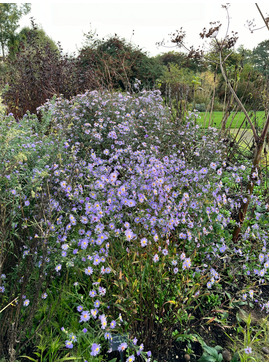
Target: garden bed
(119, 221)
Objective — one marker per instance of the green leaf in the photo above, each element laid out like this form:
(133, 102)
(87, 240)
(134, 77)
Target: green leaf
(220, 357)
(211, 358)
(69, 358)
(28, 357)
(211, 351)
(235, 357)
(204, 357)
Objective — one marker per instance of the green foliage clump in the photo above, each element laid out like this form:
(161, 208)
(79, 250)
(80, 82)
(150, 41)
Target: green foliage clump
(118, 64)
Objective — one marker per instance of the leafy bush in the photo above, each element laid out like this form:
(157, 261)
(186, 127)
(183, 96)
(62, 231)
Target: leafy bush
(118, 221)
(38, 72)
(117, 64)
(26, 160)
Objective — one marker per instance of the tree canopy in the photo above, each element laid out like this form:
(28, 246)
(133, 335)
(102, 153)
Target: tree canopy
(10, 14)
(260, 57)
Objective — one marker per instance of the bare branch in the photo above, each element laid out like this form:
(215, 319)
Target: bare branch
(266, 21)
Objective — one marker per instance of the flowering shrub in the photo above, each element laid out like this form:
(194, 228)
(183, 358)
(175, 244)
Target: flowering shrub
(126, 230)
(101, 121)
(26, 160)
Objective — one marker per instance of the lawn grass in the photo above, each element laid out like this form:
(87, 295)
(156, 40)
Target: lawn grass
(234, 120)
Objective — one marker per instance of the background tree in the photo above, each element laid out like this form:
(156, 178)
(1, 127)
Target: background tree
(182, 60)
(22, 40)
(118, 64)
(10, 14)
(37, 73)
(260, 57)
(177, 87)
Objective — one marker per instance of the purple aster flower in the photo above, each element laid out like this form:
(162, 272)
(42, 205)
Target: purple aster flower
(84, 243)
(65, 246)
(129, 234)
(131, 203)
(2, 289)
(84, 220)
(135, 341)
(113, 324)
(165, 251)
(144, 242)
(104, 324)
(94, 313)
(88, 271)
(63, 184)
(96, 260)
(73, 337)
(95, 349)
(248, 350)
(213, 165)
(261, 257)
(186, 263)
(84, 330)
(58, 267)
(107, 336)
(156, 258)
(130, 358)
(97, 304)
(102, 291)
(85, 316)
(68, 344)
(26, 302)
(92, 293)
(122, 347)
(72, 219)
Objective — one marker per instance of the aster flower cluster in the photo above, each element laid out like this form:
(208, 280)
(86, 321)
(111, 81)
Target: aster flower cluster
(101, 120)
(117, 204)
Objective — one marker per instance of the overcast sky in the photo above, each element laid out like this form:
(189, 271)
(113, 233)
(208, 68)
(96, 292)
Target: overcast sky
(151, 20)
